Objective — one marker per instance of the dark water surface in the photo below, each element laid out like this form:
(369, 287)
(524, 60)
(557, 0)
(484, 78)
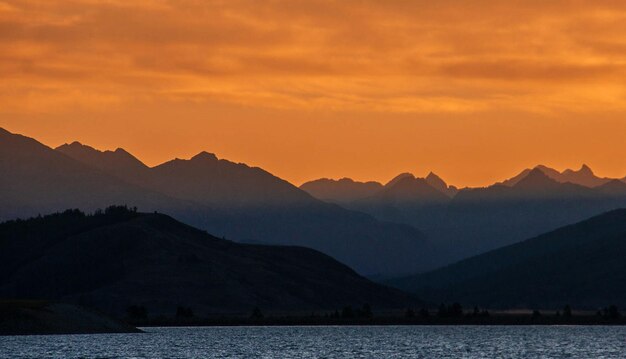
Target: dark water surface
(331, 342)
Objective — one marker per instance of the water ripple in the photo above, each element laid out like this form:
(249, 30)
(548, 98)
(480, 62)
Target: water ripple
(331, 342)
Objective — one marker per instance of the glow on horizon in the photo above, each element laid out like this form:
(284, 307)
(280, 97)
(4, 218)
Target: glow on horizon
(472, 90)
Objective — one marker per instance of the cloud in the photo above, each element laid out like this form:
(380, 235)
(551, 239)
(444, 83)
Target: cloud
(404, 56)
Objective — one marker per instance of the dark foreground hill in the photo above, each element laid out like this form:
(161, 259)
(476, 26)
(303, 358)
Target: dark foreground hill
(120, 258)
(40, 317)
(583, 265)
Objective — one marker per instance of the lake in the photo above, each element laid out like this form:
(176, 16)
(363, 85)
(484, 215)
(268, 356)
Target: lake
(331, 342)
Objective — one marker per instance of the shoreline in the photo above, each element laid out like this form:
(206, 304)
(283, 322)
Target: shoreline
(504, 320)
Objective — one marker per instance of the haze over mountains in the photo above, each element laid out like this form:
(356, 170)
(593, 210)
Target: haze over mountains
(473, 220)
(227, 199)
(347, 190)
(118, 162)
(408, 225)
(340, 191)
(119, 258)
(39, 180)
(583, 265)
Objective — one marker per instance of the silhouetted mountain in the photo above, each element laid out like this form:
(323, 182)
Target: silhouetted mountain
(488, 218)
(405, 199)
(437, 183)
(340, 191)
(258, 207)
(584, 176)
(118, 162)
(537, 183)
(408, 189)
(582, 265)
(346, 191)
(612, 188)
(37, 179)
(399, 177)
(230, 200)
(476, 220)
(119, 258)
(248, 204)
(221, 183)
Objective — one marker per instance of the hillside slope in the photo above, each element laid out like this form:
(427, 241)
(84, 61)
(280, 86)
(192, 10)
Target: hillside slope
(583, 265)
(119, 258)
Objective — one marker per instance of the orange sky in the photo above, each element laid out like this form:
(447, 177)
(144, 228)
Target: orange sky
(473, 90)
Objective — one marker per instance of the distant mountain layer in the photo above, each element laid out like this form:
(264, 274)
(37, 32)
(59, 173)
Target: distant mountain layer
(403, 199)
(583, 265)
(437, 183)
(475, 220)
(344, 190)
(584, 176)
(120, 258)
(408, 189)
(481, 219)
(228, 199)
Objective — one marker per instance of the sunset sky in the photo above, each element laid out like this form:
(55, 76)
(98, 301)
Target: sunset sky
(473, 90)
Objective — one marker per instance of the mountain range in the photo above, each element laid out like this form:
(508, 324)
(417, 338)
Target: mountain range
(407, 225)
(477, 220)
(584, 176)
(340, 191)
(231, 200)
(583, 265)
(345, 190)
(118, 258)
(474, 220)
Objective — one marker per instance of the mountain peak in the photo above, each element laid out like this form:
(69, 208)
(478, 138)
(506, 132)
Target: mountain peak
(535, 179)
(76, 147)
(549, 171)
(439, 184)
(204, 156)
(399, 177)
(584, 176)
(433, 175)
(435, 181)
(116, 161)
(76, 144)
(537, 173)
(583, 171)
(410, 189)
